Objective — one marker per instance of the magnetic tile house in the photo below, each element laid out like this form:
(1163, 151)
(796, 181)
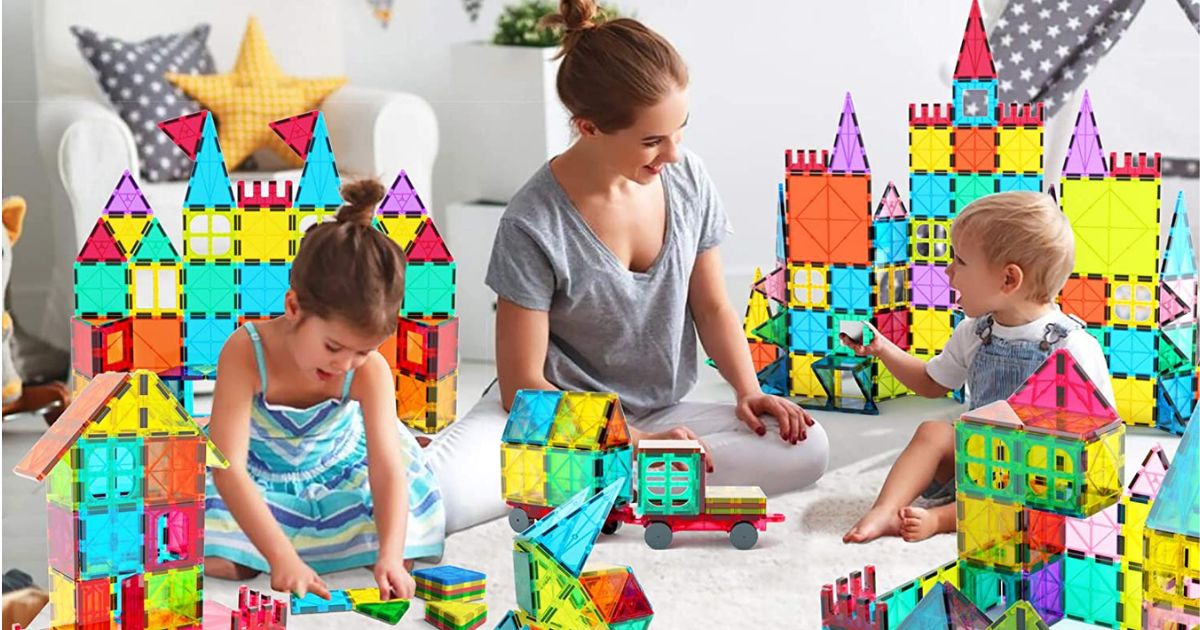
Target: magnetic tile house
(1138, 300)
(838, 263)
(143, 303)
(125, 499)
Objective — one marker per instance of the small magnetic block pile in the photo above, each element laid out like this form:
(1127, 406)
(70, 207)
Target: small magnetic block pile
(139, 304)
(455, 615)
(556, 444)
(125, 505)
(555, 590)
(450, 583)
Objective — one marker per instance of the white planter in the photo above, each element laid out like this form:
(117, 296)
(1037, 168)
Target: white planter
(507, 117)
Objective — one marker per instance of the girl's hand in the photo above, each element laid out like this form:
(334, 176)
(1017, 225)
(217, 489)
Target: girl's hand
(878, 346)
(680, 432)
(393, 579)
(793, 421)
(291, 575)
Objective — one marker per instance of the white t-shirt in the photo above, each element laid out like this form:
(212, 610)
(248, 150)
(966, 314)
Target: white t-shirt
(949, 369)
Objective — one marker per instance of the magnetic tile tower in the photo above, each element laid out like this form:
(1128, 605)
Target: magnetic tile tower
(555, 590)
(1055, 449)
(139, 304)
(1171, 571)
(959, 152)
(1141, 309)
(1104, 565)
(837, 265)
(125, 506)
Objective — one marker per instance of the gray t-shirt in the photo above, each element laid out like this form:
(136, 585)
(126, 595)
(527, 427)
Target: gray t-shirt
(611, 329)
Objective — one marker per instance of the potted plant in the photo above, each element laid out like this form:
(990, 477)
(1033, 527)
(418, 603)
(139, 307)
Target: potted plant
(511, 120)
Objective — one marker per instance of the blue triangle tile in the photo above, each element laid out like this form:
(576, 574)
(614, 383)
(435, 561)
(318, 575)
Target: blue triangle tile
(569, 536)
(1177, 507)
(1179, 256)
(774, 377)
(209, 185)
(320, 185)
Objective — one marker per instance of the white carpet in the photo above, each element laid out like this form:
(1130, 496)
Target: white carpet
(701, 582)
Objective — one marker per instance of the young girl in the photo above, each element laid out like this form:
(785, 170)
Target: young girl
(321, 476)
(607, 265)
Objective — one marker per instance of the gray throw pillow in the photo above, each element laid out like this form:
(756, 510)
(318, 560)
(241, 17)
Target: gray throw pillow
(131, 75)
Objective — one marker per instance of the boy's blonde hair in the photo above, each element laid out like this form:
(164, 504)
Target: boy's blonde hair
(1025, 229)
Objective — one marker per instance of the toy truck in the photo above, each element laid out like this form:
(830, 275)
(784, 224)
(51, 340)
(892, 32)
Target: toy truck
(558, 443)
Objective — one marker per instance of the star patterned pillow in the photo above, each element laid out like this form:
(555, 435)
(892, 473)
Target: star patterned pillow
(131, 76)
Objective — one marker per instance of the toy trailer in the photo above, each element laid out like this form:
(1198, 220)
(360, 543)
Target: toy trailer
(558, 443)
(672, 497)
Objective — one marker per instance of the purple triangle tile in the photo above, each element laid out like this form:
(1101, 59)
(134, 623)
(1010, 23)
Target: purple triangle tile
(127, 197)
(849, 155)
(1085, 157)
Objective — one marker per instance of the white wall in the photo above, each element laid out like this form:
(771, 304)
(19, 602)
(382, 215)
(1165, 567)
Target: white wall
(767, 76)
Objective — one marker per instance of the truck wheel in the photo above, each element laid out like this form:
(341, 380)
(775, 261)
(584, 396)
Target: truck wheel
(518, 520)
(611, 527)
(743, 536)
(658, 535)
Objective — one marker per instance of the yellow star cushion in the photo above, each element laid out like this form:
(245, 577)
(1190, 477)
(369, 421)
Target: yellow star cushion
(256, 93)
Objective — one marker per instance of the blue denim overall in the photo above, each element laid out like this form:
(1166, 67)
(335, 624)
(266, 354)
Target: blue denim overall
(1000, 366)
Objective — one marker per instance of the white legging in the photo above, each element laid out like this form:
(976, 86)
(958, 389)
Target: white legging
(465, 457)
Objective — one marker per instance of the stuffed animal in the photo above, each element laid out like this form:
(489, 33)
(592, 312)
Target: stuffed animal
(50, 398)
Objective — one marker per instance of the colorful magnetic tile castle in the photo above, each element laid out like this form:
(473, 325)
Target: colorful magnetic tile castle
(450, 583)
(139, 304)
(556, 444)
(839, 264)
(125, 506)
(554, 588)
(1140, 305)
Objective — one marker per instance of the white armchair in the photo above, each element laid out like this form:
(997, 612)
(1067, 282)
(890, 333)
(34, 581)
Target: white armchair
(85, 146)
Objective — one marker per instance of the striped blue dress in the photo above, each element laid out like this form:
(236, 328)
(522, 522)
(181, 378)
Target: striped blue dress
(311, 466)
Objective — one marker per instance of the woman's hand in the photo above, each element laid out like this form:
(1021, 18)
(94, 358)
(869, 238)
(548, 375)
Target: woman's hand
(680, 432)
(793, 421)
(393, 579)
(292, 575)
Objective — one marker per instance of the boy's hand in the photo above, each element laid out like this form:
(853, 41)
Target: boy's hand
(878, 345)
(793, 421)
(393, 579)
(291, 575)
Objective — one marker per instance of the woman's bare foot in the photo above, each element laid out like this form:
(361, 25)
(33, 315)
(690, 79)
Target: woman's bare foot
(224, 569)
(917, 524)
(877, 522)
